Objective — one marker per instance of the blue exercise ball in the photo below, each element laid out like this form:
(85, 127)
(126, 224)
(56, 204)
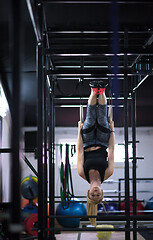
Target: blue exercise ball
(28, 210)
(107, 205)
(149, 205)
(74, 208)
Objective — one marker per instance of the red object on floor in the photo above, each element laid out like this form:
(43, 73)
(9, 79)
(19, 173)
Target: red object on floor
(30, 223)
(140, 207)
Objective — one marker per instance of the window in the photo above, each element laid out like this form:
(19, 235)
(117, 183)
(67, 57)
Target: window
(119, 154)
(3, 103)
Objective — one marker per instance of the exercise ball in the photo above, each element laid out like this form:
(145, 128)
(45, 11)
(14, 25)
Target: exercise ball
(29, 187)
(140, 207)
(149, 205)
(107, 204)
(74, 208)
(30, 223)
(28, 210)
(104, 235)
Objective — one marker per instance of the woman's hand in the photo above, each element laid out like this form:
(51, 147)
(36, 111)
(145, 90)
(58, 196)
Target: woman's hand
(80, 126)
(111, 125)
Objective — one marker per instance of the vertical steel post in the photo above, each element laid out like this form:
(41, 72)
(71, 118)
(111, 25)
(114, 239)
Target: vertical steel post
(127, 198)
(41, 137)
(51, 162)
(45, 192)
(41, 148)
(115, 49)
(119, 193)
(134, 156)
(16, 28)
(1, 196)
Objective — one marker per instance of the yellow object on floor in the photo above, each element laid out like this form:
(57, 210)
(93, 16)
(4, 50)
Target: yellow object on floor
(102, 235)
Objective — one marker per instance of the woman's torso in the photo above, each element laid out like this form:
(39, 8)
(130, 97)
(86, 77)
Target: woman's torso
(92, 148)
(95, 158)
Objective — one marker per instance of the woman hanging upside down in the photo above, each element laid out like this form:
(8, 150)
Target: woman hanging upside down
(95, 135)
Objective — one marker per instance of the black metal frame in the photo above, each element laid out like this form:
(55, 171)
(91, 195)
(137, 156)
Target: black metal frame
(16, 27)
(98, 1)
(43, 50)
(127, 200)
(134, 156)
(51, 161)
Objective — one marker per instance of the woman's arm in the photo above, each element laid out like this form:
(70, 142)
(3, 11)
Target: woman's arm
(80, 152)
(109, 171)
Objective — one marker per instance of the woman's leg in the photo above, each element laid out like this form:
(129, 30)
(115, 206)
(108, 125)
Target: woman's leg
(102, 111)
(103, 130)
(91, 111)
(102, 99)
(88, 130)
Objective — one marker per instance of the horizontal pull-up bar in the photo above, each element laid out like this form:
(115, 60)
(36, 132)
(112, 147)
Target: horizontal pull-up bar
(86, 98)
(87, 31)
(78, 106)
(9, 150)
(97, 2)
(110, 196)
(76, 72)
(138, 179)
(108, 217)
(96, 50)
(85, 229)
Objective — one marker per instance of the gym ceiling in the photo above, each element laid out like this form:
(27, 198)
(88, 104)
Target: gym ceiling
(87, 40)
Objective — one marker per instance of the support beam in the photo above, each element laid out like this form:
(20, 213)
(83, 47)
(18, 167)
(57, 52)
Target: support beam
(32, 12)
(96, 51)
(97, 71)
(127, 189)
(15, 226)
(77, 72)
(92, 229)
(51, 160)
(30, 165)
(97, 2)
(85, 71)
(148, 43)
(141, 82)
(41, 136)
(134, 157)
(88, 31)
(109, 217)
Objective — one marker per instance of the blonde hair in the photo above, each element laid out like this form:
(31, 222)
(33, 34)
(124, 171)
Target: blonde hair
(92, 208)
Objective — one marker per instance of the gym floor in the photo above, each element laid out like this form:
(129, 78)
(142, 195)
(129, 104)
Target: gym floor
(92, 236)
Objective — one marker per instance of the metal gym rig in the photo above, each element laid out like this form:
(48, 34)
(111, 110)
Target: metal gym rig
(46, 75)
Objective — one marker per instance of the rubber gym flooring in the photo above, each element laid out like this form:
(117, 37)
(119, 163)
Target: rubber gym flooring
(92, 236)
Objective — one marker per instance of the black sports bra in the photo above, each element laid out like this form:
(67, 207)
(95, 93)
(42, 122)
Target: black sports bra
(96, 159)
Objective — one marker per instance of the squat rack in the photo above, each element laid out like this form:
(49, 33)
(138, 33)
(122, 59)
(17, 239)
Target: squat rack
(45, 78)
